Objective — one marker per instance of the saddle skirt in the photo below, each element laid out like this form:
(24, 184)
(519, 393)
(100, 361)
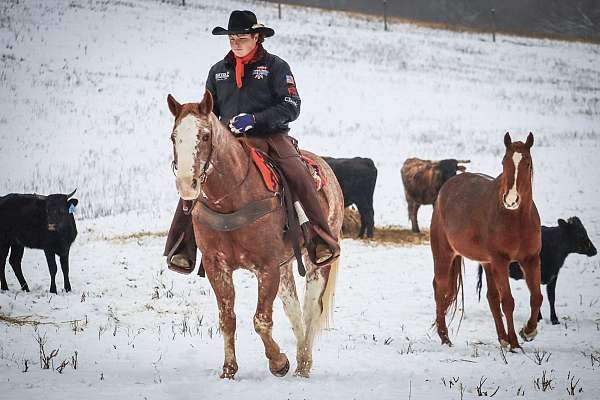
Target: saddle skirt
(270, 177)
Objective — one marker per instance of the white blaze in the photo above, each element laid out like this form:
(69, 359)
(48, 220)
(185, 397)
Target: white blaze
(185, 145)
(511, 199)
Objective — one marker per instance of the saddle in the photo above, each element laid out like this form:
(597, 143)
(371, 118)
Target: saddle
(271, 178)
(275, 181)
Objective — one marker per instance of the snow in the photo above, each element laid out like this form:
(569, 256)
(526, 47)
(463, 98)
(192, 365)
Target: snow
(84, 86)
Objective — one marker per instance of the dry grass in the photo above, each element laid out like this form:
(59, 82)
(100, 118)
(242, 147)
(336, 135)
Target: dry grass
(400, 236)
(136, 236)
(22, 320)
(396, 235)
(33, 320)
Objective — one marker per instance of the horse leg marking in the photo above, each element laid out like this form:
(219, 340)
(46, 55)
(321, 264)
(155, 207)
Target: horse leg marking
(268, 286)
(222, 284)
(291, 306)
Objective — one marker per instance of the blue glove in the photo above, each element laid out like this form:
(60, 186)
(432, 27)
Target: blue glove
(241, 123)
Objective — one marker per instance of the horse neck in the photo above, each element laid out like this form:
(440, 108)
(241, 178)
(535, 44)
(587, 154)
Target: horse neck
(229, 163)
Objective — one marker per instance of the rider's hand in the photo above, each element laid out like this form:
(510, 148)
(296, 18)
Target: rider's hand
(241, 123)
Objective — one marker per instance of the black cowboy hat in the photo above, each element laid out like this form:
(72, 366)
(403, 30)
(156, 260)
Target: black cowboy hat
(243, 22)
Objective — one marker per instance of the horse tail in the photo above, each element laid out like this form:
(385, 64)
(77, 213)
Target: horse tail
(456, 282)
(328, 296)
(479, 283)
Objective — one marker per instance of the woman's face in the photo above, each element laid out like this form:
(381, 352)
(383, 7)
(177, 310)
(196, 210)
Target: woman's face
(243, 43)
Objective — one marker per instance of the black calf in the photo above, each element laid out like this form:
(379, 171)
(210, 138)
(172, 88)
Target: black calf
(557, 243)
(38, 222)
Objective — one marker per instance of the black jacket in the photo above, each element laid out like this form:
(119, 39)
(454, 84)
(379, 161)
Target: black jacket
(268, 91)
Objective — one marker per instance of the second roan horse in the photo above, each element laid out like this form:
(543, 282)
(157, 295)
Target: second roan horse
(214, 171)
(494, 222)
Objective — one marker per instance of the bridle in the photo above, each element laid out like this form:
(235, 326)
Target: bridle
(204, 174)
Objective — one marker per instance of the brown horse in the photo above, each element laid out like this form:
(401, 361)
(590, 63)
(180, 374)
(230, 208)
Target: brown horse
(214, 169)
(494, 222)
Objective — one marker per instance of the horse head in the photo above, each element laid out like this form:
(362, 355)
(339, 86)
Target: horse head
(517, 172)
(192, 139)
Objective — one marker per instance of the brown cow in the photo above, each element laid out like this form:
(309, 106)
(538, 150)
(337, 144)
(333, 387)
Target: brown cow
(422, 181)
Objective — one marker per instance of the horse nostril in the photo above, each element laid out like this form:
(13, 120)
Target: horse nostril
(194, 183)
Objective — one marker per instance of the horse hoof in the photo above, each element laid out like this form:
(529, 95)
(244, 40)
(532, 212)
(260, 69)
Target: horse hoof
(504, 344)
(229, 371)
(555, 322)
(227, 375)
(282, 371)
(513, 349)
(447, 341)
(302, 373)
(528, 337)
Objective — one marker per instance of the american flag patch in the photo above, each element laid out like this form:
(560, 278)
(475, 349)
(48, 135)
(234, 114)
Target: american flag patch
(290, 79)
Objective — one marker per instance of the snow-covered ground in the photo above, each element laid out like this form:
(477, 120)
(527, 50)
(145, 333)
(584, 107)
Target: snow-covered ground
(83, 104)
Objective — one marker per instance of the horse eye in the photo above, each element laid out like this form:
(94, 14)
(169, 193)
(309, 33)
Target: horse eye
(205, 138)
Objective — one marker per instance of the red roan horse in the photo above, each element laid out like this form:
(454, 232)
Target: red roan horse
(494, 222)
(214, 168)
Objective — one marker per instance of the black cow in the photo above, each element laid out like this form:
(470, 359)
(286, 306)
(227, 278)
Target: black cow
(557, 243)
(357, 177)
(37, 222)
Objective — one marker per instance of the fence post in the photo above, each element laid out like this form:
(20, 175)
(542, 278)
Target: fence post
(183, 3)
(385, 26)
(279, 9)
(493, 12)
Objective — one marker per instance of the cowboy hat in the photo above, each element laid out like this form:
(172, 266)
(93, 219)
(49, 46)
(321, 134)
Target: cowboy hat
(243, 22)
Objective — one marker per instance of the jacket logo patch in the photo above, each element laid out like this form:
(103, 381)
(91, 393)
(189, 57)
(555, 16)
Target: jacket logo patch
(291, 101)
(290, 80)
(260, 72)
(292, 91)
(222, 76)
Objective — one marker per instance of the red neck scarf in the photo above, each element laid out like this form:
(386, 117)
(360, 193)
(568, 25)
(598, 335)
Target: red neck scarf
(240, 62)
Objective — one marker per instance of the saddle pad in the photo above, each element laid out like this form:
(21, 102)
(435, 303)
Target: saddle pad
(270, 178)
(316, 172)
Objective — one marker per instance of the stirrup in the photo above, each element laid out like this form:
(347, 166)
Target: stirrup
(321, 261)
(180, 268)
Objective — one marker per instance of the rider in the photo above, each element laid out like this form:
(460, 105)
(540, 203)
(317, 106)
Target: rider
(255, 94)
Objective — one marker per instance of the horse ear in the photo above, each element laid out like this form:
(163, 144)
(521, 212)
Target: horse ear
(507, 140)
(206, 105)
(529, 141)
(174, 106)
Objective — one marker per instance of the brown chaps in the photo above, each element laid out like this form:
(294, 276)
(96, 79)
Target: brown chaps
(284, 151)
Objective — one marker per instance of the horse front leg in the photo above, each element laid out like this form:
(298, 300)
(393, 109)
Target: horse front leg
(268, 285)
(221, 280)
(499, 270)
(533, 277)
(291, 305)
(494, 302)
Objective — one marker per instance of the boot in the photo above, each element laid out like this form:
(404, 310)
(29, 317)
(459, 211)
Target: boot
(180, 248)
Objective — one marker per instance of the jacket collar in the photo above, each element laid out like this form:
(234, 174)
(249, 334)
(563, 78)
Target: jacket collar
(260, 54)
